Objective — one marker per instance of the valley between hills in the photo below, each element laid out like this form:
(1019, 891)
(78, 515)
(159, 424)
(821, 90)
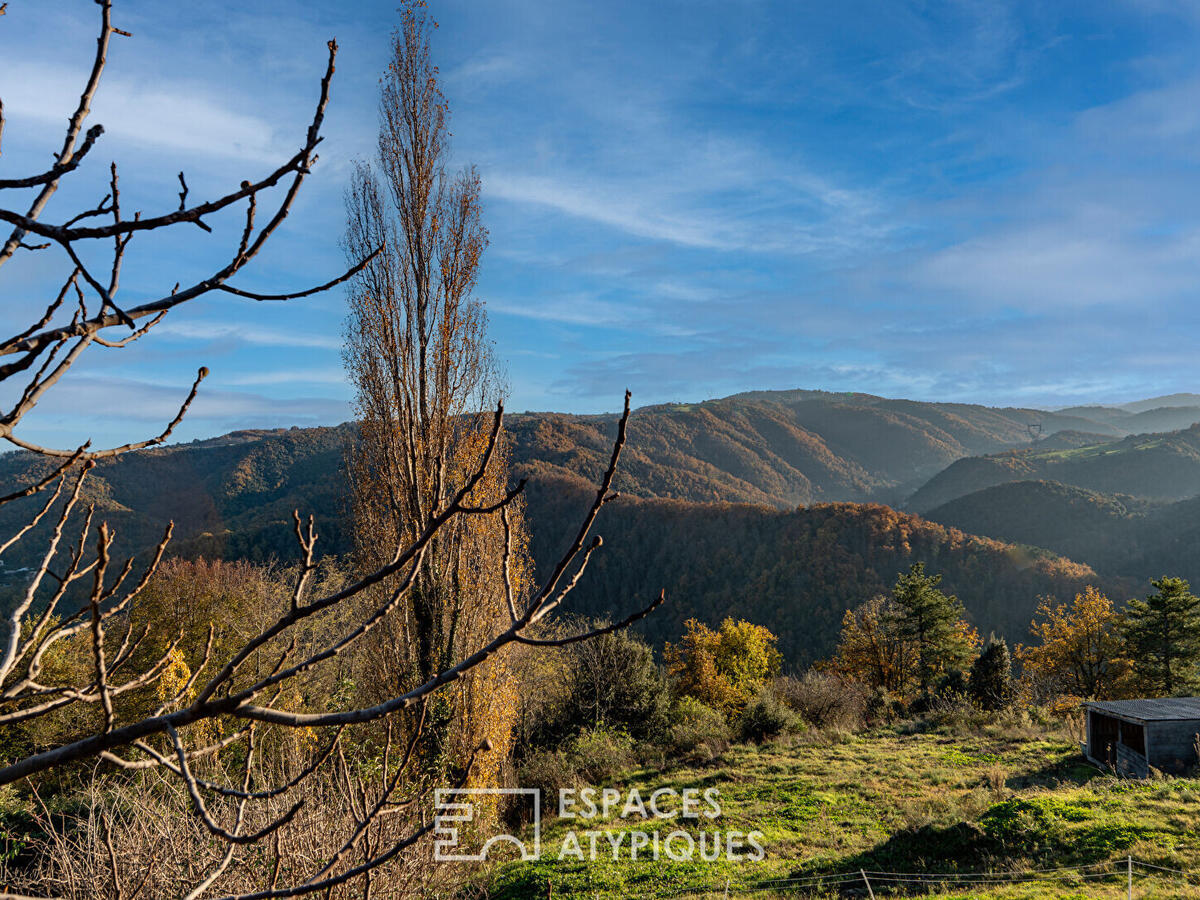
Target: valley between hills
(784, 507)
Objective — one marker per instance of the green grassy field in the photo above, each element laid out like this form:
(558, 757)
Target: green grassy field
(1094, 450)
(1000, 800)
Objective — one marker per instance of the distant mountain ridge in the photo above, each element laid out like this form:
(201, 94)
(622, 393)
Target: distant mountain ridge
(766, 453)
(233, 494)
(784, 448)
(1117, 535)
(1192, 400)
(1162, 467)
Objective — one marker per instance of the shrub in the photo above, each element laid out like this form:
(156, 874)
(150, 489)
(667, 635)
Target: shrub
(723, 668)
(824, 700)
(883, 706)
(549, 771)
(952, 685)
(698, 732)
(766, 716)
(597, 754)
(608, 682)
(951, 714)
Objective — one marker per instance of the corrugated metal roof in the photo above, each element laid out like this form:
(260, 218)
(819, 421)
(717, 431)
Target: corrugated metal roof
(1158, 710)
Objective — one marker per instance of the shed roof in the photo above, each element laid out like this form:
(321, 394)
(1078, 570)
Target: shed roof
(1164, 709)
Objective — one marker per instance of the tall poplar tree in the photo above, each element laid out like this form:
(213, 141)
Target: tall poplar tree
(425, 384)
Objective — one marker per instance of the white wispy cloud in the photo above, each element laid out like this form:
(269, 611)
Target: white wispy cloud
(1064, 265)
(290, 376)
(616, 208)
(112, 411)
(247, 334)
(485, 72)
(1167, 114)
(574, 309)
(172, 115)
(791, 215)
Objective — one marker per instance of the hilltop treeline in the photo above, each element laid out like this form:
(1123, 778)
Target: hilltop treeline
(1159, 467)
(794, 572)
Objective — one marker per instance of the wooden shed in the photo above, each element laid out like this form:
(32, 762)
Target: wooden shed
(1133, 735)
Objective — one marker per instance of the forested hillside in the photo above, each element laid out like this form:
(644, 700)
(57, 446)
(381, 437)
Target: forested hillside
(1115, 534)
(1079, 523)
(231, 496)
(1125, 507)
(1160, 467)
(786, 447)
(684, 467)
(783, 448)
(795, 572)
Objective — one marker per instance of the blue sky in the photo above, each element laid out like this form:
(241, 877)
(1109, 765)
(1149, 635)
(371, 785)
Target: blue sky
(977, 201)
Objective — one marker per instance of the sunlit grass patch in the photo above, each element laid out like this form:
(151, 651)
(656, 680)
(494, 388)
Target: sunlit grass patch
(901, 801)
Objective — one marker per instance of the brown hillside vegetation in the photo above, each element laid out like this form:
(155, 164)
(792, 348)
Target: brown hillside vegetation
(232, 497)
(782, 448)
(795, 572)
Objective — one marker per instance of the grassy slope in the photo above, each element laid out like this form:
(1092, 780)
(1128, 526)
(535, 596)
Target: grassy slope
(889, 801)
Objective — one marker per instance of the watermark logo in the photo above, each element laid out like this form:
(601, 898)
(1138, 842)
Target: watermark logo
(455, 808)
(676, 824)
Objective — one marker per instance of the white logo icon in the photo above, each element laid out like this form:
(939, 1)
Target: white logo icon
(455, 807)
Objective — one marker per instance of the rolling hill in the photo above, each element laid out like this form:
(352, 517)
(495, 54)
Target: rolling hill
(231, 496)
(795, 572)
(783, 448)
(1114, 534)
(763, 504)
(1159, 467)
(1082, 524)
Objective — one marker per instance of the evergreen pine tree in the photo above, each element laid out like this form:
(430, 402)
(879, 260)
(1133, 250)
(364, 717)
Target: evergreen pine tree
(1163, 636)
(930, 619)
(990, 684)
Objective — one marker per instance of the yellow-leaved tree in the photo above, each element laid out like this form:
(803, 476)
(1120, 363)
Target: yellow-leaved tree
(1080, 654)
(723, 669)
(871, 652)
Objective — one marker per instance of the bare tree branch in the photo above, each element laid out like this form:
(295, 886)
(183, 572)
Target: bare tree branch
(139, 696)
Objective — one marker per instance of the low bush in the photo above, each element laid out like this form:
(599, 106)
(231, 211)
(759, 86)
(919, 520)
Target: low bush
(609, 682)
(882, 706)
(824, 700)
(767, 716)
(549, 771)
(698, 732)
(598, 754)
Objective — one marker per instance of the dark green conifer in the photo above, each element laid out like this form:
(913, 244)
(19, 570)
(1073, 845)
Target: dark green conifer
(1163, 636)
(991, 684)
(930, 620)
